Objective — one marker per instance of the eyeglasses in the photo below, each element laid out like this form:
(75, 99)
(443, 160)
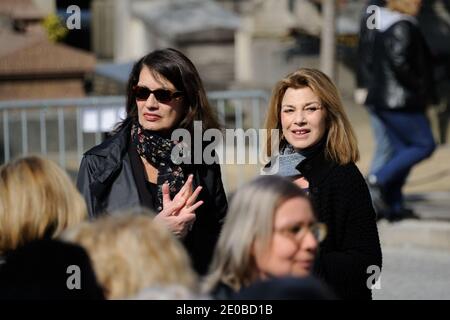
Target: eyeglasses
(162, 95)
(298, 232)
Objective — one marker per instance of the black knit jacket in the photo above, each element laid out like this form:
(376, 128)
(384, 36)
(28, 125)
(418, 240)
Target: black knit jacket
(342, 201)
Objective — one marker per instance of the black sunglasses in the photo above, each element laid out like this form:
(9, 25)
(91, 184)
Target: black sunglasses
(162, 95)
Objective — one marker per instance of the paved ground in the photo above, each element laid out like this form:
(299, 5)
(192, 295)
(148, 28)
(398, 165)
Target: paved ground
(411, 273)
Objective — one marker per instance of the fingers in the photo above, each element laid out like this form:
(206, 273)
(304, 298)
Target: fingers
(178, 204)
(195, 206)
(189, 188)
(184, 200)
(174, 207)
(194, 196)
(183, 189)
(165, 194)
(186, 186)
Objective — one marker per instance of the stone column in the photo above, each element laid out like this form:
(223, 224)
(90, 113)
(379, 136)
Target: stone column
(121, 30)
(328, 39)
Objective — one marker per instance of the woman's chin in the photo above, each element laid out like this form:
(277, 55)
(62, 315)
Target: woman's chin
(153, 126)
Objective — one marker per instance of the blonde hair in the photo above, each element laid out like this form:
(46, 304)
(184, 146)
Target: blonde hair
(37, 199)
(341, 144)
(402, 6)
(131, 252)
(249, 219)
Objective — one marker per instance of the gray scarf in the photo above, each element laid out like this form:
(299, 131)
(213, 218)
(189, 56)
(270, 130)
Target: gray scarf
(290, 158)
(288, 161)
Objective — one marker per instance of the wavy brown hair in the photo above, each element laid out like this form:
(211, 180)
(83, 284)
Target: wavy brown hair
(341, 144)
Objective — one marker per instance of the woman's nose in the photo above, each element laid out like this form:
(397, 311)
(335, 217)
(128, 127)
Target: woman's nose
(151, 101)
(299, 117)
(310, 242)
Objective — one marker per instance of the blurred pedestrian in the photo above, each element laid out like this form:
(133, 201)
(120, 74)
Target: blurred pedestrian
(134, 167)
(318, 151)
(435, 25)
(401, 89)
(270, 231)
(383, 149)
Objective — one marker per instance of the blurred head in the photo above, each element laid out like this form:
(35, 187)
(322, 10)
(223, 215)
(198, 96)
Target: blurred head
(48, 269)
(293, 243)
(270, 230)
(165, 92)
(409, 7)
(131, 252)
(306, 107)
(37, 200)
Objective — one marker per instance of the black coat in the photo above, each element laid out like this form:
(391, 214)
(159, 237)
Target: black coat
(401, 70)
(365, 47)
(107, 183)
(341, 200)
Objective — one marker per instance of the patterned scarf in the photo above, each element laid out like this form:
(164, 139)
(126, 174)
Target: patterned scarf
(157, 151)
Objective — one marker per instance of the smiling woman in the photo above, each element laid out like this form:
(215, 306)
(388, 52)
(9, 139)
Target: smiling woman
(270, 231)
(302, 117)
(319, 149)
(134, 167)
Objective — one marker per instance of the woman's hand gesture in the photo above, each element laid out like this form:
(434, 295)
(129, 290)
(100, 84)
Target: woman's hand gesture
(178, 214)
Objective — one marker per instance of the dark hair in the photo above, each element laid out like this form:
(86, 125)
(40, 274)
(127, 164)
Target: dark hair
(181, 72)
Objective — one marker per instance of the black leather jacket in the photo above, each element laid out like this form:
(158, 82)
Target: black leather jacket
(402, 70)
(107, 183)
(365, 47)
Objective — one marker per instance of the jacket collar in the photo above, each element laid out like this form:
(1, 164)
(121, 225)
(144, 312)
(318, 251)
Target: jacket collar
(117, 144)
(388, 18)
(113, 150)
(317, 168)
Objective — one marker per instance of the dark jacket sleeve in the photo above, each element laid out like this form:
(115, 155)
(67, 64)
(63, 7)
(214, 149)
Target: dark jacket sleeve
(365, 53)
(399, 45)
(220, 197)
(84, 179)
(210, 217)
(356, 244)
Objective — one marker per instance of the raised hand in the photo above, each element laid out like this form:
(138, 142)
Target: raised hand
(179, 214)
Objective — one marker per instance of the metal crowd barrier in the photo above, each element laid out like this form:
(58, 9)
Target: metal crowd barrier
(62, 129)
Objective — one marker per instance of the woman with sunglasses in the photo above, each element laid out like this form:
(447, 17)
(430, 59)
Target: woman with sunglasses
(270, 232)
(318, 151)
(134, 166)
